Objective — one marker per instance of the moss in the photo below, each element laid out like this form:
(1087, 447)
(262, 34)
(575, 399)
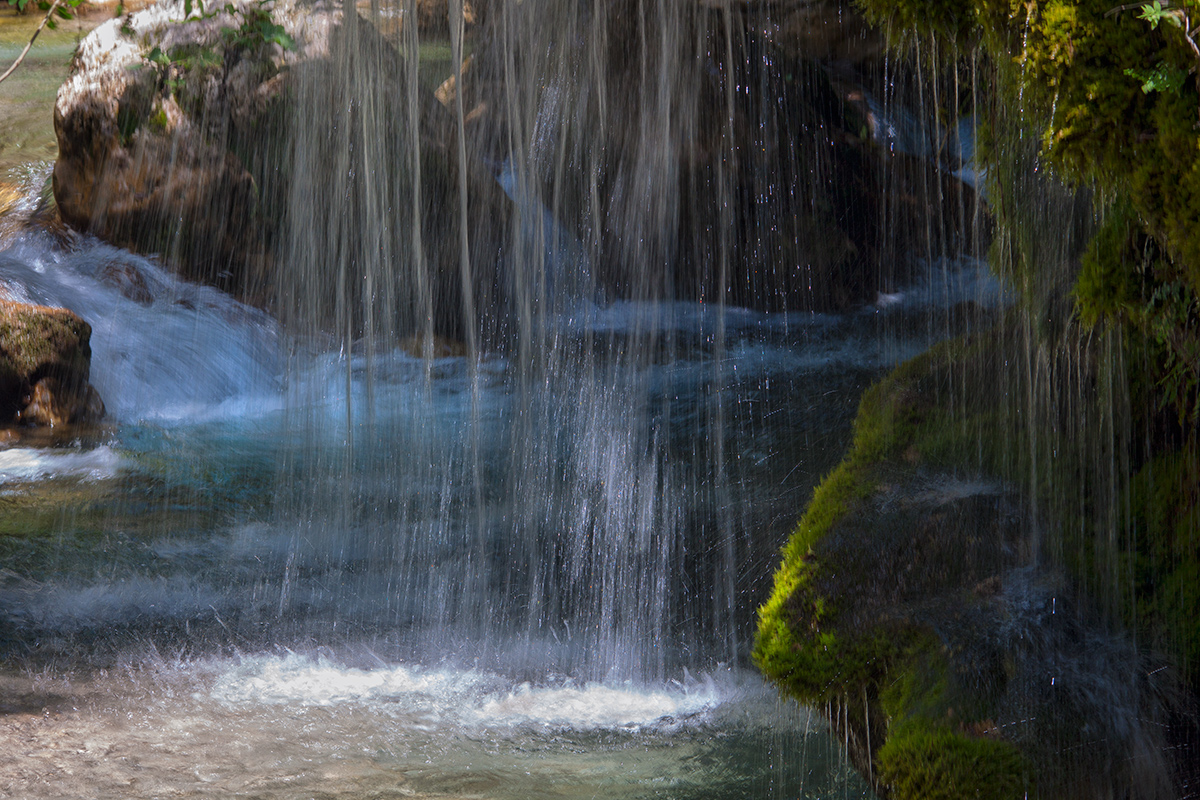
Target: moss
(940, 743)
(950, 411)
(1165, 555)
(801, 643)
(158, 121)
(1107, 287)
(945, 765)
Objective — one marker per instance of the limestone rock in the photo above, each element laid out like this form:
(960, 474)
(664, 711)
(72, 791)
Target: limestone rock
(45, 359)
(147, 166)
(220, 153)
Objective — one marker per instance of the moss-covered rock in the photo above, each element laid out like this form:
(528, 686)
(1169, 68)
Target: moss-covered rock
(45, 359)
(923, 599)
(945, 765)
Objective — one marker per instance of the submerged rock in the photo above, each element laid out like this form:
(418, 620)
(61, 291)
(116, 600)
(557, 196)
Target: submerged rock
(45, 359)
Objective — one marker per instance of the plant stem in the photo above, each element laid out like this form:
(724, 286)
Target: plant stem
(25, 52)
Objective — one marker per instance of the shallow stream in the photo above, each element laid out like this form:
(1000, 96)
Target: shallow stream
(288, 572)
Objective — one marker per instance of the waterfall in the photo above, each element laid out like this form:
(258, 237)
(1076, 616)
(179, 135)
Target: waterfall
(485, 449)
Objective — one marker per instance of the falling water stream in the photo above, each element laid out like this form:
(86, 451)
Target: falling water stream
(195, 625)
(306, 559)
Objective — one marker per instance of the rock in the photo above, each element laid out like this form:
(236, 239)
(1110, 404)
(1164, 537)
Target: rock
(693, 168)
(433, 16)
(371, 166)
(221, 162)
(146, 167)
(52, 402)
(45, 359)
(127, 279)
(825, 30)
(433, 347)
(917, 598)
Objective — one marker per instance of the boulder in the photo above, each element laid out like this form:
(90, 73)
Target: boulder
(433, 16)
(144, 158)
(920, 601)
(45, 358)
(217, 142)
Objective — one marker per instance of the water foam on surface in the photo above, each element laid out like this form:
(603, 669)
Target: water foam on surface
(596, 706)
(463, 698)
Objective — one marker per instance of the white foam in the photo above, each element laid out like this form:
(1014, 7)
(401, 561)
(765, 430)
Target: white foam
(26, 464)
(463, 698)
(597, 706)
(297, 680)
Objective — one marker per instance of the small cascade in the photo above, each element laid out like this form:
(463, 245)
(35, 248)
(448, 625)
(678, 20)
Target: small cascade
(485, 450)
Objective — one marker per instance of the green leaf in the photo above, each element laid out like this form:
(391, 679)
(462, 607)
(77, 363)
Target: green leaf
(157, 56)
(1154, 13)
(52, 25)
(64, 13)
(1163, 78)
(187, 8)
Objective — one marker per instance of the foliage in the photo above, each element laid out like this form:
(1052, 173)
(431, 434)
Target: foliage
(256, 31)
(1165, 562)
(1116, 94)
(1163, 78)
(58, 7)
(251, 38)
(62, 8)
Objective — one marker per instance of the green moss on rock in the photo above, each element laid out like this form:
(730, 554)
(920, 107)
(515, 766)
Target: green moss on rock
(941, 764)
(1165, 561)
(37, 343)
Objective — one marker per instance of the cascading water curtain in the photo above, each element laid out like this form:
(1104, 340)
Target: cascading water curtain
(533, 504)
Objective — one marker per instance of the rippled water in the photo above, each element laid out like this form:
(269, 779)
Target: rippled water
(283, 571)
(286, 726)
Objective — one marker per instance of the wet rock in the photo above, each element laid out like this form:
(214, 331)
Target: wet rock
(433, 347)
(146, 167)
(127, 279)
(220, 155)
(45, 359)
(917, 600)
(433, 16)
(826, 30)
(695, 164)
(53, 402)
